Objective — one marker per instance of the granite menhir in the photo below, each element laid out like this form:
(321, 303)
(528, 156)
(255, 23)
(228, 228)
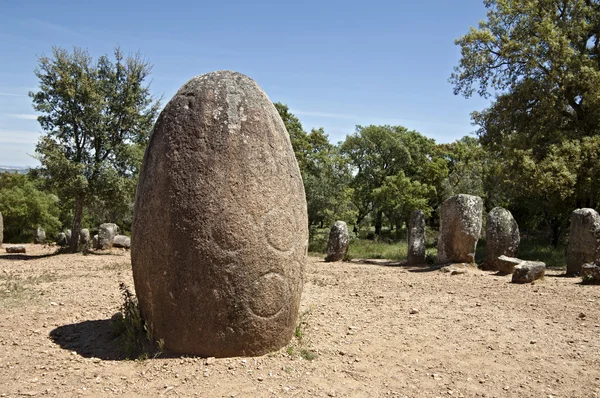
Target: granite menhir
(220, 228)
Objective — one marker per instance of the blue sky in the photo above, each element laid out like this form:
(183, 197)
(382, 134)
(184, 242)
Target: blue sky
(337, 64)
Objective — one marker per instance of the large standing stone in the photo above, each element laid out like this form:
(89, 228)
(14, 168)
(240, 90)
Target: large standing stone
(460, 226)
(62, 239)
(220, 229)
(590, 272)
(1, 229)
(339, 240)
(84, 237)
(584, 239)
(502, 237)
(122, 241)
(416, 238)
(39, 236)
(106, 235)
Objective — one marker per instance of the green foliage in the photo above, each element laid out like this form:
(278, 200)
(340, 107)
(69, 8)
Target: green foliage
(134, 333)
(97, 118)
(540, 59)
(325, 172)
(386, 160)
(25, 207)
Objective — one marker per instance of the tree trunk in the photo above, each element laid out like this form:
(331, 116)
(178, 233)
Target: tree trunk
(555, 227)
(378, 222)
(77, 216)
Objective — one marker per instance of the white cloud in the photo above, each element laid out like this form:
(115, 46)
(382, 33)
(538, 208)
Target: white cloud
(18, 137)
(12, 95)
(25, 116)
(323, 114)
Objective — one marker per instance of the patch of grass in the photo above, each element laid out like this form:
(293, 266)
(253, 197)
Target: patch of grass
(134, 333)
(360, 248)
(308, 355)
(533, 249)
(297, 346)
(14, 289)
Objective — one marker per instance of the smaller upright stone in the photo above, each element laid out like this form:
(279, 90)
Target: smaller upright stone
(15, 249)
(1, 230)
(95, 241)
(460, 226)
(39, 236)
(122, 241)
(590, 272)
(502, 237)
(68, 235)
(338, 243)
(106, 235)
(507, 264)
(528, 271)
(584, 239)
(62, 239)
(416, 238)
(84, 237)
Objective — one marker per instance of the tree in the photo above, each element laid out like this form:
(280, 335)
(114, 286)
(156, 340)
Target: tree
(25, 207)
(96, 118)
(390, 155)
(325, 172)
(541, 60)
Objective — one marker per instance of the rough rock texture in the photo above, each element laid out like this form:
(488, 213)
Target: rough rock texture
(95, 241)
(84, 237)
(590, 272)
(39, 236)
(15, 249)
(507, 264)
(122, 241)
(460, 226)
(584, 240)
(501, 236)
(1, 229)
(61, 240)
(106, 235)
(416, 238)
(338, 243)
(220, 229)
(68, 235)
(528, 271)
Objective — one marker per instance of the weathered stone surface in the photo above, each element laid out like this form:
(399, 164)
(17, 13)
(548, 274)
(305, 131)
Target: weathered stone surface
(84, 237)
(62, 239)
(15, 249)
(39, 236)
(460, 226)
(220, 230)
(122, 241)
(528, 271)
(95, 241)
(1, 229)
(68, 235)
(501, 236)
(416, 238)
(106, 235)
(507, 264)
(590, 272)
(338, 243)
(584, 240)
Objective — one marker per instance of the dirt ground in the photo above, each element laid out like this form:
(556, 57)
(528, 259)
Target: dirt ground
(377, 330)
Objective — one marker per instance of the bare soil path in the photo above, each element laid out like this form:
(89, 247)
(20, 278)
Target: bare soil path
(376, 330)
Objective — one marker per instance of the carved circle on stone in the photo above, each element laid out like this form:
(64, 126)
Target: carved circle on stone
(280, 230)
(268, 295)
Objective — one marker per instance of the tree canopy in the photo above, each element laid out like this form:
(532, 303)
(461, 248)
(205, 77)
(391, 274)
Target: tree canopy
(96, 118)
(540, 61)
